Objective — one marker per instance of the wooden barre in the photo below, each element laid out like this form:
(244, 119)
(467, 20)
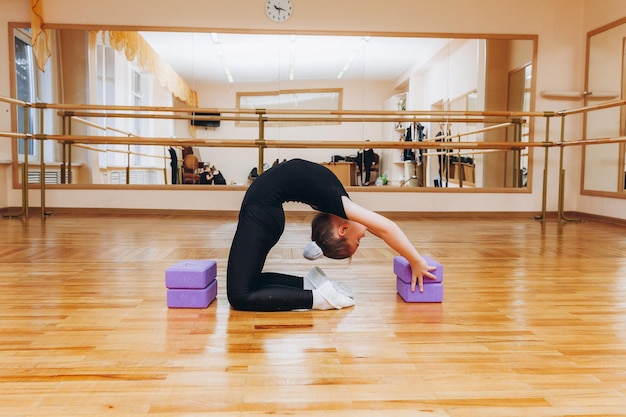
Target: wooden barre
(598, 141)
(14, 135)
(389, 113)
(290, 119)
(405, 113)
(269, 143)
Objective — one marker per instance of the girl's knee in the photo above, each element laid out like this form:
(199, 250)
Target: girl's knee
(239, 303)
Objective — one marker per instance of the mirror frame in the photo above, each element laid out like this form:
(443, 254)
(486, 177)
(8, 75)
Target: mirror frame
(621, 160)
(480, 36)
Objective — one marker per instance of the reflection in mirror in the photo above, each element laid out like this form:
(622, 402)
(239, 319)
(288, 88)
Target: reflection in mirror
(318, 99)
(215, 71)
(603, 168)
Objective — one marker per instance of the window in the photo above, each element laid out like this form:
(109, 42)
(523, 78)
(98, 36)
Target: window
(105, 79)
(25, 87)
(105, 72)
(120, 82)
(140, 125)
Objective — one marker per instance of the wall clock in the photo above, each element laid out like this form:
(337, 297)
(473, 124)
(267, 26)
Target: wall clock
(278, 10)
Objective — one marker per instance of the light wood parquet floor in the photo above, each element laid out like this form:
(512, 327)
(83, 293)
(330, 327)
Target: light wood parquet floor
(533, 323)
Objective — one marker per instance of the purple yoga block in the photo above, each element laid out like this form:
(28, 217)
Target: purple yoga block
(191, 274)
(433, 292)
(191, 298)
(402, 269)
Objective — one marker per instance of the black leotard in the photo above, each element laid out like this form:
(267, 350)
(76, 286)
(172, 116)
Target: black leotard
(261, 224)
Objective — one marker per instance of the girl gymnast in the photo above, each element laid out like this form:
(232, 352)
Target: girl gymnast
(335, 231)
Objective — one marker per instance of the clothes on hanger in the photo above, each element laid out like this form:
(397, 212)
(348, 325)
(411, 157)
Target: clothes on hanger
(408, 154)
(419, 129)
(365, 160)
(174, 164)
(442, 157)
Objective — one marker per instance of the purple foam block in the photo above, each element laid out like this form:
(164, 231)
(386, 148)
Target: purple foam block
(191, 298)
(191, 274)
(402, 269)
(433, 293)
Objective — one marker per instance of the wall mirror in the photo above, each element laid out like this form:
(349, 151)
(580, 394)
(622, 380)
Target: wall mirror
(604, 172)
(369, 71)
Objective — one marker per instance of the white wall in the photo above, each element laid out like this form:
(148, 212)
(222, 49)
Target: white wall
(560, 24)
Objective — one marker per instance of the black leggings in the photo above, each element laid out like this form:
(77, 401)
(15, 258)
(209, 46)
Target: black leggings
(248, 288)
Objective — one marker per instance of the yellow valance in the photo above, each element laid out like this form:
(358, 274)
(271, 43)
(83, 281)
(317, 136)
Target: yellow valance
(135, 47)
(40, 37)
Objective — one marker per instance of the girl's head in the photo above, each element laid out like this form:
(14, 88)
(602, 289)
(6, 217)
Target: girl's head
(337, 237)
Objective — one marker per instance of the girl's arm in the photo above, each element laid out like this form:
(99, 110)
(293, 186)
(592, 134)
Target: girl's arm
(393, 236)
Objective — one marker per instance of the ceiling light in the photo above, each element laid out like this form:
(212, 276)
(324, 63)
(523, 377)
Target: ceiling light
(343, 70)
(229, 76)
(359, 47)
(215, 38)
(292, 56)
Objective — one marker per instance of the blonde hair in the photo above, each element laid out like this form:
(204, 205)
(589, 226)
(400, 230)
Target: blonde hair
(323, 233)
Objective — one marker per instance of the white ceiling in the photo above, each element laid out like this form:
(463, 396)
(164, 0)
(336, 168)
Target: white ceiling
(198, 58)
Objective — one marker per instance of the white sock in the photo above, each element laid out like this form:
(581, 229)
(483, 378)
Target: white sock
(316, 278)
(330, 298)
(319, 302)
(342, 289)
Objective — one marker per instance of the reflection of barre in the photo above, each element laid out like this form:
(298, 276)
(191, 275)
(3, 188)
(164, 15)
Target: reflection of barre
(429, 153)
(473, 132)
(91, 148)
(579, 94)
(105, 128)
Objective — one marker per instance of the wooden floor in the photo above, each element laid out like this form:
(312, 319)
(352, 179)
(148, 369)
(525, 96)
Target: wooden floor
(533, 323)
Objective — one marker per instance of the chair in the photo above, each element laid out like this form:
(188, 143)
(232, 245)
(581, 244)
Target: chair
(190, 169)
(373, 171)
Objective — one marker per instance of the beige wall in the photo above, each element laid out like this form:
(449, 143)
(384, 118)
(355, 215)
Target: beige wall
(598, 13)
(560, 24)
